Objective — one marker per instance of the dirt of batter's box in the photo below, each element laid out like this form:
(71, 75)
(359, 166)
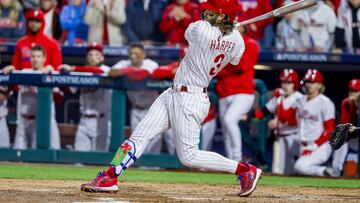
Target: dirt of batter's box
(12, 190)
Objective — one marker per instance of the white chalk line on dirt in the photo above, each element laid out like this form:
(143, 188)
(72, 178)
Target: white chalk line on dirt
(196, 198)
(102, 200)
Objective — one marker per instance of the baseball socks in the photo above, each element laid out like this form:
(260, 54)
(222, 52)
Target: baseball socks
(241, 168)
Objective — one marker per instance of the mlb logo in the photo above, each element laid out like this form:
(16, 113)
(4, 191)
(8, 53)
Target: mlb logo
(47, 79)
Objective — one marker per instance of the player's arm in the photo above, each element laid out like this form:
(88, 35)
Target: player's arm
(165, 72)
(328, 114)
(345, 114)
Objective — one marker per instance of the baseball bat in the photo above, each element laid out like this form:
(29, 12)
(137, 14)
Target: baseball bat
(281, 11)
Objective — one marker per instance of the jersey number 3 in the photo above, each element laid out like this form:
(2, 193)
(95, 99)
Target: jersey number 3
(217, 62)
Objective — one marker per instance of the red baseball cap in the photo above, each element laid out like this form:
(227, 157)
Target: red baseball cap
(313, 75)
(354, 85)
(96, 46)
(228, 7)
(290, 75)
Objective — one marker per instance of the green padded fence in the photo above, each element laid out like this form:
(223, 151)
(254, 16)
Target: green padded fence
(43, 153)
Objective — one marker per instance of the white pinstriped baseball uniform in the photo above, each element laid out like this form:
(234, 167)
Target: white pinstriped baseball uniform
(141, 101)
(4, 131)
(26, 122)
(94, 126)
(312, 114)
(209, 51)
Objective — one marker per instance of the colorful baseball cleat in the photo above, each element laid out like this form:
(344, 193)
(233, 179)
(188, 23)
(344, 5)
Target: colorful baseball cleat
(249, 180)
(102, 183)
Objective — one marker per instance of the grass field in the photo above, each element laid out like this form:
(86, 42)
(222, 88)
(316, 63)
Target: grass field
(68, 172)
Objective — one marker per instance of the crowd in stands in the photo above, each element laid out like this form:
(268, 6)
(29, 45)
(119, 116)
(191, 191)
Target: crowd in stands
(332, 25)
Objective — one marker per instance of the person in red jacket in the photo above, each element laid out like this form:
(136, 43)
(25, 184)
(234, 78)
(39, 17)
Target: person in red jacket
(349, 105)
(35, 36)
(235, 88)
(252, 8)
(176, 18)
(349, 114)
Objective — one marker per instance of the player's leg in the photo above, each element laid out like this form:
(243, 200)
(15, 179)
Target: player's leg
(156, 121)
(170, 141)
(83, 141)
(20, 141)
(239, 106)
(136, 115)
(4, 133)
(54, 134)
(207, 132)
(338, 161)
(186, 113)
(223, 106)
(292, 152)
(313, 164)
(103, 133)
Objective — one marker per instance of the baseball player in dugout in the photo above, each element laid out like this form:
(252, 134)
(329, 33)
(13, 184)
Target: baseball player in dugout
(316, 121)
(138, 67)
(4, 131)
(285, 125)
(95, 104)
(235, 87)
(213, 43)
(345, 136)
(35, 36)
(27, 106)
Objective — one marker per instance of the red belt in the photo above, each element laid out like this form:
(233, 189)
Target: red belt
(184, 88)
(28, 117)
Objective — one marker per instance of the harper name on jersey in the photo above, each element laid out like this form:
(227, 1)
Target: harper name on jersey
(222, 45)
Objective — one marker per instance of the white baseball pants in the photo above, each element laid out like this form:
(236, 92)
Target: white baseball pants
(183, 112)
(4, 133)
(313, 164)
(231, 110)
(92, 134)
(26, 134)
(207, 134)
(289, 150)
(154, 147)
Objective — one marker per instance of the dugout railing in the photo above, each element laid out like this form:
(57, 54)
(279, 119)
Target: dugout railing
(45, 82)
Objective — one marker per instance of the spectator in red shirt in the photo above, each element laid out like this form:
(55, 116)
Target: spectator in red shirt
(35, 36)
(235, 88)
(176, 18)
(252, 8)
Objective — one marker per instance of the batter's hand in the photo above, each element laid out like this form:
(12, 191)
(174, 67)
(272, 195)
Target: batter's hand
(342, 133)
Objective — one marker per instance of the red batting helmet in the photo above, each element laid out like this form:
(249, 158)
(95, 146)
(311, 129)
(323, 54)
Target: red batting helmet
(290, 75)
(228, 7)
(354, 85)
(313, 75)
(96, 46)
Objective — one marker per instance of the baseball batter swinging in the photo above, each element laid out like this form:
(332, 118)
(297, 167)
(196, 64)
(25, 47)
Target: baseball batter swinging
(213, 43)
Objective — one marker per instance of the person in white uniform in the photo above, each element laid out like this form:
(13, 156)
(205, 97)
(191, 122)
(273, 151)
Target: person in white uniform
(285, 125)
(213, 43)
(316, 121)
(27, 107)
(4, 130)
(141, 100)
(93, 133)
